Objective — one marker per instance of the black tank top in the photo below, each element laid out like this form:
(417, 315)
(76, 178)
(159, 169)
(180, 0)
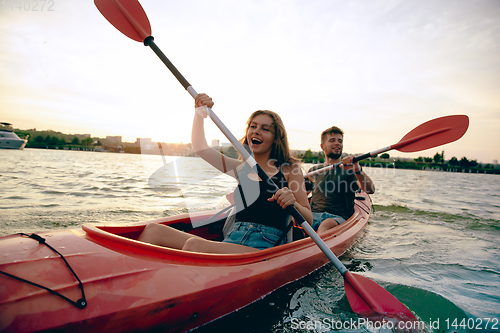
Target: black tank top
(256, 209)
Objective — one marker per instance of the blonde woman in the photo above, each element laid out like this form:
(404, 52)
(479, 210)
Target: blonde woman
(261, 216)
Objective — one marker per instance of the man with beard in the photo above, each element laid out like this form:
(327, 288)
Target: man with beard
(334, 191)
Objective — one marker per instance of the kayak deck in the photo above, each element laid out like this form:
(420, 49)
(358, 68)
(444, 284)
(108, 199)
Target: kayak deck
(131, 285)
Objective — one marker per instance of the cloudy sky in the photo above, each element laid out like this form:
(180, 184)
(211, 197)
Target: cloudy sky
(375, 68)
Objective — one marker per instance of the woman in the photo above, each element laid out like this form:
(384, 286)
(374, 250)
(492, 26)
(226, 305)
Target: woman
(260, 214)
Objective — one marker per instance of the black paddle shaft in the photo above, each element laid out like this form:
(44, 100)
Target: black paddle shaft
(361, 157)
(149, 41)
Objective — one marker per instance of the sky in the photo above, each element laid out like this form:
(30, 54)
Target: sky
(376, 68)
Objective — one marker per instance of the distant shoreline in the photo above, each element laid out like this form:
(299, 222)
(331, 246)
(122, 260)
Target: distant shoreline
(84, 142)
(373, 162)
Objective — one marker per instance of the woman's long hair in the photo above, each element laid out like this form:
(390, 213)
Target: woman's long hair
(280, 150)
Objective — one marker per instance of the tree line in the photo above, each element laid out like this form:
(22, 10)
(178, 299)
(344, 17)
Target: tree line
(53, 141)
(56, 140)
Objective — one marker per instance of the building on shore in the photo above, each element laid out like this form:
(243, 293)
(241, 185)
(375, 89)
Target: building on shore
(150, 147)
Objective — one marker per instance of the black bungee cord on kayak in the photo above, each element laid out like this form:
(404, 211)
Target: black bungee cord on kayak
(81, 303)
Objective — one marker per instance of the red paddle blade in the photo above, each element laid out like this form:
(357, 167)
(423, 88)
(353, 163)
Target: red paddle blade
(128, 16)
(433, 133)
(368, 299)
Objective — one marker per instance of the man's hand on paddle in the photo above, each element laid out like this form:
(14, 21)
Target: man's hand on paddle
(348, 165)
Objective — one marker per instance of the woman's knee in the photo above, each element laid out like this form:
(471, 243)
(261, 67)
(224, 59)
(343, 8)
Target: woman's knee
(149, 233)
(195, 244)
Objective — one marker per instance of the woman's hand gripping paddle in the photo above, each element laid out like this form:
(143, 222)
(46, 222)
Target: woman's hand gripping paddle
(365, 296)
(433, 133)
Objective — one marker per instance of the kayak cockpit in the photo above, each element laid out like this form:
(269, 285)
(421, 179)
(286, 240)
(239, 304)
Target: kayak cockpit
(209, 224)
(124, 239)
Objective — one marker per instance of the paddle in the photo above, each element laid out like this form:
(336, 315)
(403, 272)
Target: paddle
(433, 133)
(365, 296)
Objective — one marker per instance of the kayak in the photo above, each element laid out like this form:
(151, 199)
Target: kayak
(105, 279)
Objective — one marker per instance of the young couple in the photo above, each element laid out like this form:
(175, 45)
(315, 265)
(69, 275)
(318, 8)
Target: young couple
(260, 215)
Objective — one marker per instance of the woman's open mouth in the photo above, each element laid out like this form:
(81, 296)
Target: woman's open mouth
(256, 141)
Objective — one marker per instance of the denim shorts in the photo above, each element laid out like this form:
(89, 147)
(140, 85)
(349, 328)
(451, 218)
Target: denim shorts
(321, 216)
(253, 235)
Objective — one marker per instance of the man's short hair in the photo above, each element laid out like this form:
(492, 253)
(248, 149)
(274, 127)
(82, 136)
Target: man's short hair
(331, 130)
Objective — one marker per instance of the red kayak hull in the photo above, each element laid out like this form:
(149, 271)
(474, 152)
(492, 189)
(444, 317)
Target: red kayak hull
(130, 285)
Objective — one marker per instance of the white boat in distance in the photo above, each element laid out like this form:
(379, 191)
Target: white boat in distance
(9, 139)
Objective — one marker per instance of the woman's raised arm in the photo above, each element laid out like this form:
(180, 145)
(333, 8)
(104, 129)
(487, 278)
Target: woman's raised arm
(199, 142)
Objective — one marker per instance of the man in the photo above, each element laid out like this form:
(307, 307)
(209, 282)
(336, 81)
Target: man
(334, 190)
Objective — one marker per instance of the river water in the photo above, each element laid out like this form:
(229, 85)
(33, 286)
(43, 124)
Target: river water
(432, 241)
